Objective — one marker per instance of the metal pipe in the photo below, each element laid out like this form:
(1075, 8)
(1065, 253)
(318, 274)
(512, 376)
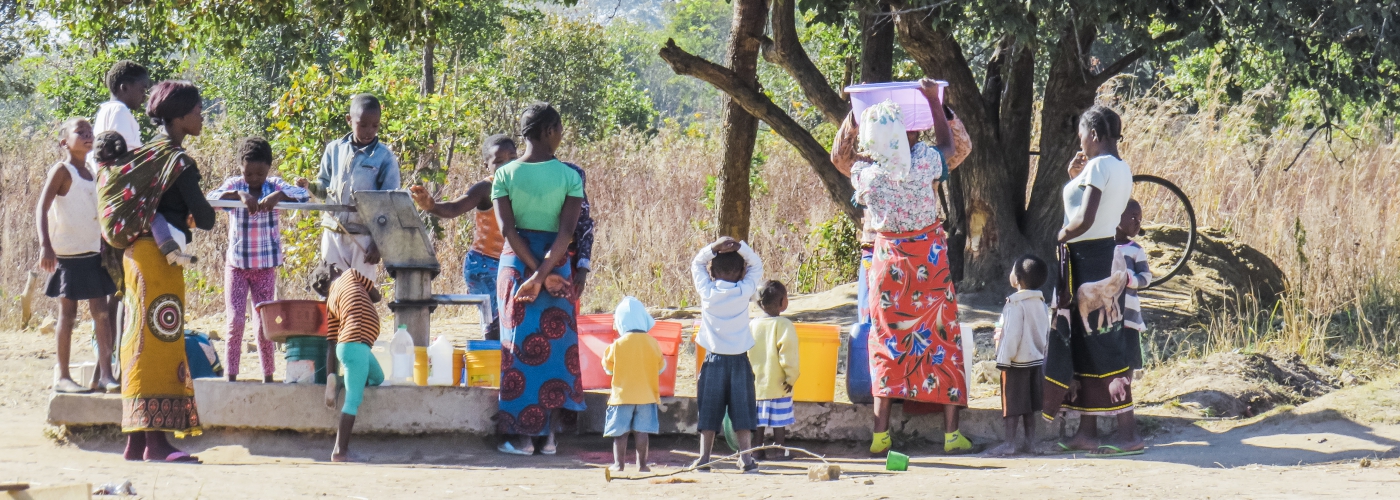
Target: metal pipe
(286, 206)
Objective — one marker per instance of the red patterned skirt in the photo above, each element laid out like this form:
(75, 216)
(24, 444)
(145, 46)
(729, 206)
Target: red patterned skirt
(915, 343)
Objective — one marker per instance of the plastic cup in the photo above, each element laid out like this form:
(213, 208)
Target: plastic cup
(896, 461)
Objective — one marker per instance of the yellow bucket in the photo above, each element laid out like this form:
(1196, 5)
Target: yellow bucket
(420, 365)
(458, 364)
(483, 368)
(818, 348)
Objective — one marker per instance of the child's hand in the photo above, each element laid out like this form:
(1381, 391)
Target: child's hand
(725, 244)
(48, 261)
(996, 336)
(331, 390)
(422, 198)
(303, 183)
(787, 388)
(372, 254)
(269, 202)
(1076, 165)
(249, 202)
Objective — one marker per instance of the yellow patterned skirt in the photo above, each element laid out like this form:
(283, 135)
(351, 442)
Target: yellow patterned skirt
(157, 391)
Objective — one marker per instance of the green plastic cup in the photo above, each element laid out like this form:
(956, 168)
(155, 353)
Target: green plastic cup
(896, 461)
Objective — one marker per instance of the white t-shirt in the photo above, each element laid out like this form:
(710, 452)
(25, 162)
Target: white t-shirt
(114, 115)
(1114, 179)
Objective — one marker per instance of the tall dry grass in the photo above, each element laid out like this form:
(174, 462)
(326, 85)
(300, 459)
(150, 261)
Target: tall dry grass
(1328, 220)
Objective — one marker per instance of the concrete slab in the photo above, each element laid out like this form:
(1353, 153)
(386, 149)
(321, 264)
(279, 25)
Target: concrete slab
(432, 410)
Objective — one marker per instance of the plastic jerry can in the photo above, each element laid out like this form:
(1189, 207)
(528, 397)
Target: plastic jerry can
(401, 352)
(440, 362)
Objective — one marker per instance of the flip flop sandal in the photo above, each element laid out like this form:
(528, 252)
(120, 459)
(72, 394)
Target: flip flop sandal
(751, 468)
(69, 387)
(1117, 452)
(549, 450)
(1064, 449)
(178, 457)
(510, 449)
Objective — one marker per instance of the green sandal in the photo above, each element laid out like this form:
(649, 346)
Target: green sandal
(1117, 452)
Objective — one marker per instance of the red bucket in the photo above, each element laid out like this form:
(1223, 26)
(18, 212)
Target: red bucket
(595, 334)
(290, 318)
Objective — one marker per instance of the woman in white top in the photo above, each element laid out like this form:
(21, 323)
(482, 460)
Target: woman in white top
(1087, 370)
(70, 239)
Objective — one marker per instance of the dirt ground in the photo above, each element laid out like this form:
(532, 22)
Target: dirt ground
(1317, 449)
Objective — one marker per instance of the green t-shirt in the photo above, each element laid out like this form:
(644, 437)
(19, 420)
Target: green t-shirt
(537, 191)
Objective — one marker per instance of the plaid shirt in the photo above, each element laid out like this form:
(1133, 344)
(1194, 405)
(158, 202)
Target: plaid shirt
(254, 240)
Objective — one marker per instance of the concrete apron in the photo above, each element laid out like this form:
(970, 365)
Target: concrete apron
(434, 410)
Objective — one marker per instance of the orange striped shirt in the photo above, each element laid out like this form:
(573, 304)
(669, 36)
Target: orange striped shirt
(351, 314)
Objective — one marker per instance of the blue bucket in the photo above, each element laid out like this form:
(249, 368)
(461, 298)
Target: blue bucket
(483, 345)
(858, 365)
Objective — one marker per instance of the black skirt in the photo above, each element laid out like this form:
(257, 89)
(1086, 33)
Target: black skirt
(80, 277)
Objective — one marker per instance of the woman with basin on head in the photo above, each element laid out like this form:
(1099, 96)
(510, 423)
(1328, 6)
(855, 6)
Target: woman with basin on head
(538, 199)
(1088, 367)
(915, 340)
(157, 391)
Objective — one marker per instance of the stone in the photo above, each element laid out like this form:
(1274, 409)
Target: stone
(824, 472)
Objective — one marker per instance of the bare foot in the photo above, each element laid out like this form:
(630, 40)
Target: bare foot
(1005, 449)
(267, 379)
(340, 457)
(1081, 444)
(642, 468)
(232, 377)
(68, 386)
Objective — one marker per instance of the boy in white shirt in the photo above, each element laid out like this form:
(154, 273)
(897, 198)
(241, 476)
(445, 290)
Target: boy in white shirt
(726, 274)
(128, 83)
(1021, 343)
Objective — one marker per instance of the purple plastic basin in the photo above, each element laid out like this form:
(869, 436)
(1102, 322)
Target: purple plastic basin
(907, 95)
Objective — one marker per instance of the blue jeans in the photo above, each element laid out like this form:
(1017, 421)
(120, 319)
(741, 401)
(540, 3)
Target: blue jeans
(480, 271)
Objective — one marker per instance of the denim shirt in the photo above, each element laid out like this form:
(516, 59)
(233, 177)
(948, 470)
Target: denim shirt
(346, 169)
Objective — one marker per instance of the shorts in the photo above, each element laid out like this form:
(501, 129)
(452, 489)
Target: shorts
(622, 419)
(775, 412)
(80, 277)
(1022, 391)
(726, 387)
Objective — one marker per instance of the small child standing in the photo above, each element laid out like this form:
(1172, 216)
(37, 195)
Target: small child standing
(726, 385)
(1139, 277)
(352, 326)
(775, 366)
(70, 239)
(635, 363)
(254, 247)
(1021, 342)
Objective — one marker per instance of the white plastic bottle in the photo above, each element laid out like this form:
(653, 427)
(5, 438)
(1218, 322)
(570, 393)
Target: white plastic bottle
(440, 362)
(401, 350)
(385, 360)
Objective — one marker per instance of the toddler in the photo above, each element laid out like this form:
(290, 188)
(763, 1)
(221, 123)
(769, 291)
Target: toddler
(1139, 277)
(254, 247)
(1020, 345)
(726, 385)
(109, 147)
(775, 360)
(70, 239)
(634, 361)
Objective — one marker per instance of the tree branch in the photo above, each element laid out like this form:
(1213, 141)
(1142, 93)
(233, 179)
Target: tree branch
(758, 104)
(785, 50)
(1128, 59)
(940, 56)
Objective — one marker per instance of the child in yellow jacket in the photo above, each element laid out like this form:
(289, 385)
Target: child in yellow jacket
(774, 358)
(635, 363)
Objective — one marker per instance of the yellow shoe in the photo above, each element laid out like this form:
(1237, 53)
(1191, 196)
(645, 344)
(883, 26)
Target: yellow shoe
(881, 443)
(955, 442)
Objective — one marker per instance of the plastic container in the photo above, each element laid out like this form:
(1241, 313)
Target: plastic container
(483, 363)
(292, 318)
(459, 366)
(596, 333)
(819, 346)
(380, 351)
(858, 365)
(308, 348)
(910, 98)
(896, 461)
(421, 366)
(401, 357)
(440, 362)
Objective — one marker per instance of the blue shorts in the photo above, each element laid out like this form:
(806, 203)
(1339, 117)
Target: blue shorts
(623, 419)
(726, 388)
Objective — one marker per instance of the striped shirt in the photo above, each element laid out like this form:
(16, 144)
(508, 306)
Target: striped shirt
(351, 316)
(254, 240)
(1139, 276)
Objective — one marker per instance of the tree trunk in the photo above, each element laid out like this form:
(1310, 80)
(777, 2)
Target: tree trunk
(877, 45)
(740, 127)
(1069, 90)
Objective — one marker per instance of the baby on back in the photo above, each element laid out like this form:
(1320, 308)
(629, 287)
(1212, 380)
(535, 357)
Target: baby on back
(109, 149)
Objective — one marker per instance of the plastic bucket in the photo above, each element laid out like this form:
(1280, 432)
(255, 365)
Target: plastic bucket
(420, 365)
(909, 97)
(459, 366)
(896, 461)
(818, 347)
(858, 365)
(594, 340)
(483, 363)
(309, 348)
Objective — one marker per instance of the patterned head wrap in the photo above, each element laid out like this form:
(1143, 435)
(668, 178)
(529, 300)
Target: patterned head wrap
(883, 138)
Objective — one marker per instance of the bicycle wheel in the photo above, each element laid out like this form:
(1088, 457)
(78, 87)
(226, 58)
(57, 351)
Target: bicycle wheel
(1169, 220)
